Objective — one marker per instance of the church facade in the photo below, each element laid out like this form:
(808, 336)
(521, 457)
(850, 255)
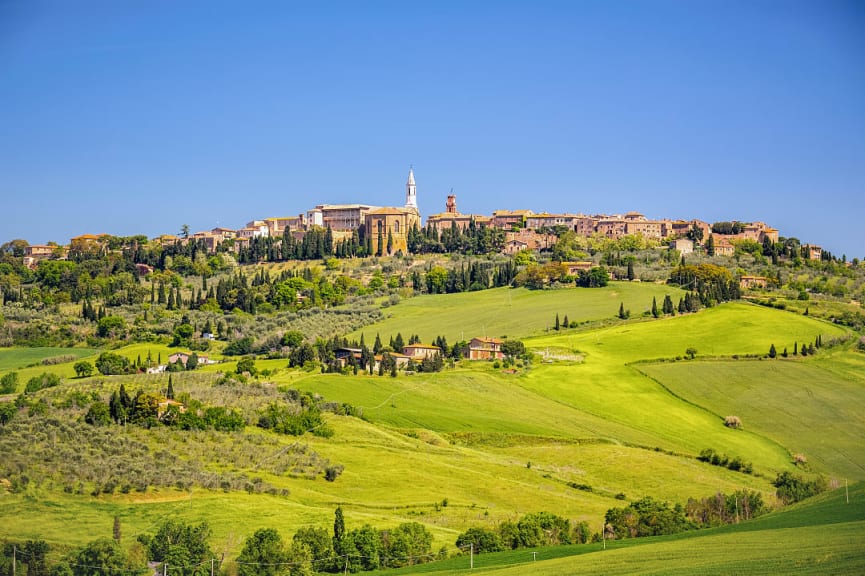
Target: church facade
(388, 227)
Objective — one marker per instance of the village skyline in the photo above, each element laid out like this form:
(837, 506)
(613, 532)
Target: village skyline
(122, 117)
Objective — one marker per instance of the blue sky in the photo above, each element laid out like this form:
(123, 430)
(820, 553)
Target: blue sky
(137, 117)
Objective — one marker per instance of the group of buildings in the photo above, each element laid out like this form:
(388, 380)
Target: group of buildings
(524, 229)
(479, 348)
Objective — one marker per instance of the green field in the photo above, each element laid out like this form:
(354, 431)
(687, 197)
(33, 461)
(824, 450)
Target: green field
(595, 409)
(821, 536)
(17, 358)
(511, 312)
(800, 405)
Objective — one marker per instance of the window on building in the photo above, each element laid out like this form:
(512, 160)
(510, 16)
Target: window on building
(396, 227)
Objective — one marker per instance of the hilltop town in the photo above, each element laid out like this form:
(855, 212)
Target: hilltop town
(377, 230)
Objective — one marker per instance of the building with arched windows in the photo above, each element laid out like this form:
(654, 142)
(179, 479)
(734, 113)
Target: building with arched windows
(387, 228)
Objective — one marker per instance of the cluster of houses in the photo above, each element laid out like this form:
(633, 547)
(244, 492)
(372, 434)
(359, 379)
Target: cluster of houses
(183, 358)
(524, 229)
(478, 349)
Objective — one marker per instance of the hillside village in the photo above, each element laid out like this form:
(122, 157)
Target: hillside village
(388, 230)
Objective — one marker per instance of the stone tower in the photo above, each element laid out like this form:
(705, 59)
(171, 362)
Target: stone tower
(451, 205)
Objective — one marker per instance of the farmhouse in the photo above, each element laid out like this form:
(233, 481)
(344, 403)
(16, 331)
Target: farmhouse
(683, 245)
(746, 282)
(573, 268)
(420, 351)
(184, 358)
(164, 404)
(485, 349)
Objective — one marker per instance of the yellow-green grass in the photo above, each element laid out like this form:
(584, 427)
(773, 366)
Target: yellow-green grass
(799, 404)
(606, 386)
(820, 536)
(510, 312)
(466, 435)
(471, 399)
(389, 478)
(15, 358)
(728, 329)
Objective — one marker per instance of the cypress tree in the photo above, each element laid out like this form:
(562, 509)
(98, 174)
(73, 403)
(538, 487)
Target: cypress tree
(338, 530)
(668, 305)
(772, 351)
(170, 393)
(125, 399)
(631, 274)
(557, 322)
(565, 321)
(655, 312)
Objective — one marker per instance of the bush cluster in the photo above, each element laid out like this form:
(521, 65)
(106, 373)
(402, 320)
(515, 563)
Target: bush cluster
(735, 463)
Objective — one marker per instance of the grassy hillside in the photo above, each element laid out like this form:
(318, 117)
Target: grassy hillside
(566, 435)
(797, 403)
(820, 536)
(17, 358)
(510, 312)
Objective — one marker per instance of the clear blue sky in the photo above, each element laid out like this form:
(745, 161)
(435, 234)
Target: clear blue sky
(135, 117)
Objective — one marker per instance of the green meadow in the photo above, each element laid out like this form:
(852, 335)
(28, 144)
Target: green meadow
(799, 404)
(511, 312)
(605, 411)
(820, 536)
(17, 358)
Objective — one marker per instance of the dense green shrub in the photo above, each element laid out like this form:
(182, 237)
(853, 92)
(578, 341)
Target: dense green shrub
(110, 363)
(792, 488)
(44, 380)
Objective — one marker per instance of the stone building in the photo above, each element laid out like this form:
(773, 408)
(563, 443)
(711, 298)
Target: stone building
(389, 226)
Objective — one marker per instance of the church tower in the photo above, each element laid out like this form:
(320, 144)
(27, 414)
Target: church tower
(411, 191)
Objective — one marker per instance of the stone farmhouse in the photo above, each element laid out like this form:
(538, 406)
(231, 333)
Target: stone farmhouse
(485, 349)
(750, 282)
(421, 351)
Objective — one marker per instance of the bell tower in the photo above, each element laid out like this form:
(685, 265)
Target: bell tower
(411, 191)
(451, 205)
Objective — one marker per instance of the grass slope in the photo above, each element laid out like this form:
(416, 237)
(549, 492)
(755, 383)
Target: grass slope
(514, 313)
(16, 358)
(467, 434)
(819, 536)
(799, 404)
(606, 386)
